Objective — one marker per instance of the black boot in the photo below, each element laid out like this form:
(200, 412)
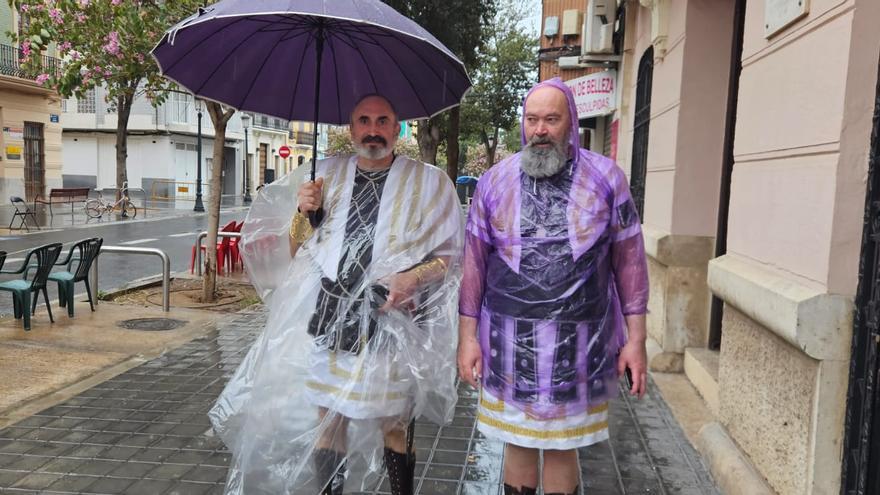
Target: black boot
(330, 469)
(574, 492)
(509, 490)
(401, 472)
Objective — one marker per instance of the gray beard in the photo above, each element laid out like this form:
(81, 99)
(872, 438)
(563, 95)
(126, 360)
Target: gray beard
(541, 163)
(365, 151)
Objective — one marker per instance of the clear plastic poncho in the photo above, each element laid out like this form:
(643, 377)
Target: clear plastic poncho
(551, 268)
(332, 371)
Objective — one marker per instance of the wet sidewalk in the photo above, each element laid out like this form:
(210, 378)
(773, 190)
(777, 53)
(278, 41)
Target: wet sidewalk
(146, 432)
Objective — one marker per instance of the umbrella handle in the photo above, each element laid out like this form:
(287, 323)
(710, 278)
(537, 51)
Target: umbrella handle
(315, 217)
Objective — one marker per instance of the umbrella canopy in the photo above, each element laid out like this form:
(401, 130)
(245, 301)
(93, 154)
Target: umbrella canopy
(263, 56)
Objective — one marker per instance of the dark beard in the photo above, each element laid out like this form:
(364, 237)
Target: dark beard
(539, 163)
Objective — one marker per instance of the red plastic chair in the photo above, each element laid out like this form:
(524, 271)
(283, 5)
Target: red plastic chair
(234, 253)
(222, 250)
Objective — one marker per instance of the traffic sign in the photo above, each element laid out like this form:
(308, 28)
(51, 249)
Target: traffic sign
(284, 152)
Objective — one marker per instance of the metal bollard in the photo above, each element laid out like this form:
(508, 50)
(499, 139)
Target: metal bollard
(166, 270)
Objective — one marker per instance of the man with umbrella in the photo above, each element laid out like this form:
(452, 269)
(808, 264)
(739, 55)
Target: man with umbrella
(360, 337)
(358, 264)
(351, 299)
(553, 297)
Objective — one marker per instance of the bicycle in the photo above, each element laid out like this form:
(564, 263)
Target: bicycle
(96, 207)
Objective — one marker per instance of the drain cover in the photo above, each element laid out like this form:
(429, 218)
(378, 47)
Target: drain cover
(151, 324)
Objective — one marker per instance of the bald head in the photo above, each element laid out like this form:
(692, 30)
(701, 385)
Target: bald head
(373, 101)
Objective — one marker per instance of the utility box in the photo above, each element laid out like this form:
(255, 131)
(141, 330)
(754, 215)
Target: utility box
(571, 23)
(551, 26)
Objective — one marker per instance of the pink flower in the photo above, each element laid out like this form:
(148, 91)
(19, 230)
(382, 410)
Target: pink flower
(26, 48)
(25, 7)
(111, 44)
(42, 78)
(115, 2)
(84, 3)
(55, 14)
(64, 46)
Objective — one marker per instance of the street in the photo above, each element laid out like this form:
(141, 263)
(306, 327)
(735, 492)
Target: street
(174, 235)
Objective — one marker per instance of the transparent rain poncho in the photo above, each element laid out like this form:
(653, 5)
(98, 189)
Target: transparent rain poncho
(551, 268)
(331, 371)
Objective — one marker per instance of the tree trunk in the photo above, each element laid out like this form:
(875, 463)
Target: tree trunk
(490, 150)
(219, 118)
(452, 149)
(123, 111)
(491, 146)
(428, 136)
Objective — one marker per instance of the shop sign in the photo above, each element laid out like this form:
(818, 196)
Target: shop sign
(13, 152)
(15, 133)
(594, 94)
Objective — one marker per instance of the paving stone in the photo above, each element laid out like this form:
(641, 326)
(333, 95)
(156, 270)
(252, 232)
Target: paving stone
(72, 483)
(169, 471)
(97, 468)
(37, 481)
(111, 485)
(148, 487)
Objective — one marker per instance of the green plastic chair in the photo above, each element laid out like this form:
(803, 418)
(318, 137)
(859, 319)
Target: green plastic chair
(21, 289)
(86, 252)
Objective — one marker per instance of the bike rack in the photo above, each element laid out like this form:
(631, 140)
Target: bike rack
(166, 270)
(198, 246)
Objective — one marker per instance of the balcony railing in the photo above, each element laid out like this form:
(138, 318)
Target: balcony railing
(11, 65)
(304, 138)
(266, 122)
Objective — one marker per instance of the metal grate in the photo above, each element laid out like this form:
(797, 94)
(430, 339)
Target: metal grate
(861, 450)
(640, 130)
(151, 324)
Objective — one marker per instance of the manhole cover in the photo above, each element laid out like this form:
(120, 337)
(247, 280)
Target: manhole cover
(151, 324)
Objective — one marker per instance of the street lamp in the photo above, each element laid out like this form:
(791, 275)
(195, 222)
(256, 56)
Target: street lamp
(245, 121)
(199, 206)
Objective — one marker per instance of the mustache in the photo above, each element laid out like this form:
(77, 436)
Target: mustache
(374, 139)
(540, 140)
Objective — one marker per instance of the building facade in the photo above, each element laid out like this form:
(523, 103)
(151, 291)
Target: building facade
(30, 161)
(163, 147)
(745, 128)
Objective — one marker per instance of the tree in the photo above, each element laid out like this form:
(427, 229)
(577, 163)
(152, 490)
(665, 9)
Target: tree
(460, 25)
(101, 43)
(505, 73)
(219, 117)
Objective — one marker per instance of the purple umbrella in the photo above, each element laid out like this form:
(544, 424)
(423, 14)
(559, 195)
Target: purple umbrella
(311, 59)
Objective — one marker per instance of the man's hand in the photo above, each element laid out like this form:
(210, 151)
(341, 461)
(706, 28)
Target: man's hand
(401, 287)
(635, 357)
(308, 198)
(470, 356)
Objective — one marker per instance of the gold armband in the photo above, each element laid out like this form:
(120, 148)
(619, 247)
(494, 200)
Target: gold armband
(429, 269)
(300, 228)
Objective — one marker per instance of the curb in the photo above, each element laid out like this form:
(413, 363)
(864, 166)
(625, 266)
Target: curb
(184, 213)
(730, 469)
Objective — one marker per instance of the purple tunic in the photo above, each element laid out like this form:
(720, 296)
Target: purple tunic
(551, 267)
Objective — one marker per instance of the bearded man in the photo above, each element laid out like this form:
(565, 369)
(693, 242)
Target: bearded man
(553, 296)
(361, 337)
